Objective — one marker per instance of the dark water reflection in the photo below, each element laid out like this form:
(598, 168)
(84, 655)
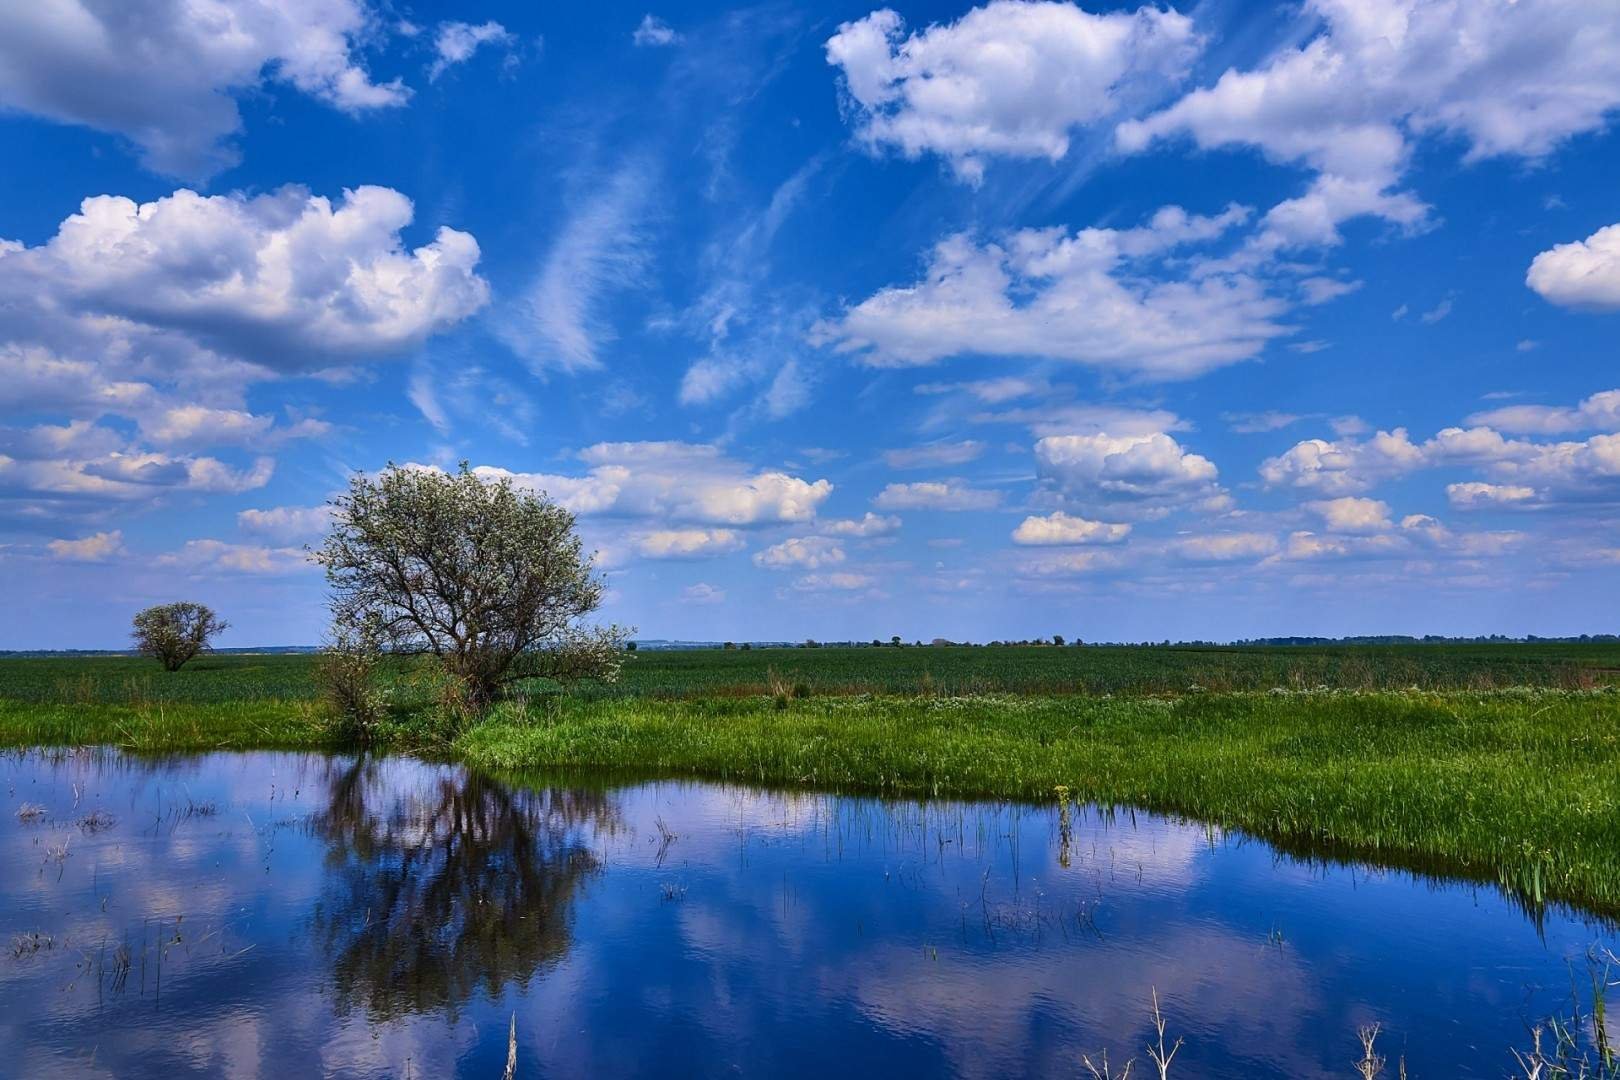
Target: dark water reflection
(296, 915)
(440, 890)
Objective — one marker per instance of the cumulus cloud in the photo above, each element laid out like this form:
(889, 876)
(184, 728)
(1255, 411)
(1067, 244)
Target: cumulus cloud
(868, 525)
(654, 32)
(1305, 546)
(1143, 475)
(456, 42)
(688, 543)
(936, 495)
(98, 547)
(165, 74)
(211, 558)
(76, 483)
(1350, 514)
(286, 524)
(1570, 471)
(703, 593)
(1224, 547)
(1600, 412)
(1475, 495)
(804, 552)
(200, 425)
(287, 280)
(1095, 297)
(1058, 529)
(1584, 275)
(676, 482)
(934, 455)
(1506, 77)
(1010, 79)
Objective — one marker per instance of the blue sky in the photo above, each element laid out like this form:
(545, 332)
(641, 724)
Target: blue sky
(1205, 321)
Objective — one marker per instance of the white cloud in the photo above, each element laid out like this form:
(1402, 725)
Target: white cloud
(1057, 418)
(989, 391)
(1584, 275)
(1345, 466)
(1141, 474)
(936, 495)
(836, 582)
(1069, 564)
(216, 557)
(804, 552)
(788, 393)
(75, 484)
(600, 247)
(1254, 423)
(653, 31)
(677, 482)
(1350, 514)
(285, 280)
(1436, 313)
(96, 548)
(1436, 535)
(1320, 290)
(934, 455)
(1059, 528)
(1600, 412)
(1507, 77)
(867, 525)
(199, 425)
(1011, 79)
(286, 524)
(165, 74)
(1090, 297)
(688, 543)
(703, 593)
(1473, 495)
(1224, 547)
(1574, 471)
(456, 42)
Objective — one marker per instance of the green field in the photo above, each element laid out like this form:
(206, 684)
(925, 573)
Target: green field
(1493, 762)
(950, 670)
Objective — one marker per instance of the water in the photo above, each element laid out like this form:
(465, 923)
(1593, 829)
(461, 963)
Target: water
(296, 915)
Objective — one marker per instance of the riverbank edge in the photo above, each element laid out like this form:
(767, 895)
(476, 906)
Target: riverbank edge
(1511, 787)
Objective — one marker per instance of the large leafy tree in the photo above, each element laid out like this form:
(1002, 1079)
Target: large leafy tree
(489, 578)
(173, 633)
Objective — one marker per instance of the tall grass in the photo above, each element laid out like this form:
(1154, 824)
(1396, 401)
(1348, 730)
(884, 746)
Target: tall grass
(1512, 787)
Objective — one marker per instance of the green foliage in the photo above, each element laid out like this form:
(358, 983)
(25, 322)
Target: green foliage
(489, 579)
(346, 675)
(174, 633)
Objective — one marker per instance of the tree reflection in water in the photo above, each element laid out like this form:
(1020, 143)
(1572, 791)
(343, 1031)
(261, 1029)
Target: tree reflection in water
(446, 885)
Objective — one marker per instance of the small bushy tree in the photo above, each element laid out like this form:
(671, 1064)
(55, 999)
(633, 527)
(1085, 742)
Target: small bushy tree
(171, 634)
(489, 579)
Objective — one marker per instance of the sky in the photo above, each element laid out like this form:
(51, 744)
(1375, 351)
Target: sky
(1212, 320)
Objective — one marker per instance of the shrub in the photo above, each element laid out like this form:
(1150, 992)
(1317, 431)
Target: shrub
(172, 634)
(346, 675)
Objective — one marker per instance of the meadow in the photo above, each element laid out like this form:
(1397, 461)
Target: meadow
(951, 670)
(1496, 763)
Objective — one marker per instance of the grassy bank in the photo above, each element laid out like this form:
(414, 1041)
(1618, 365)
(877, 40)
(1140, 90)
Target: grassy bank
(1513, 786)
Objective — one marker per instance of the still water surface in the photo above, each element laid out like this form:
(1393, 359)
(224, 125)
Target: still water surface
(291, 915)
